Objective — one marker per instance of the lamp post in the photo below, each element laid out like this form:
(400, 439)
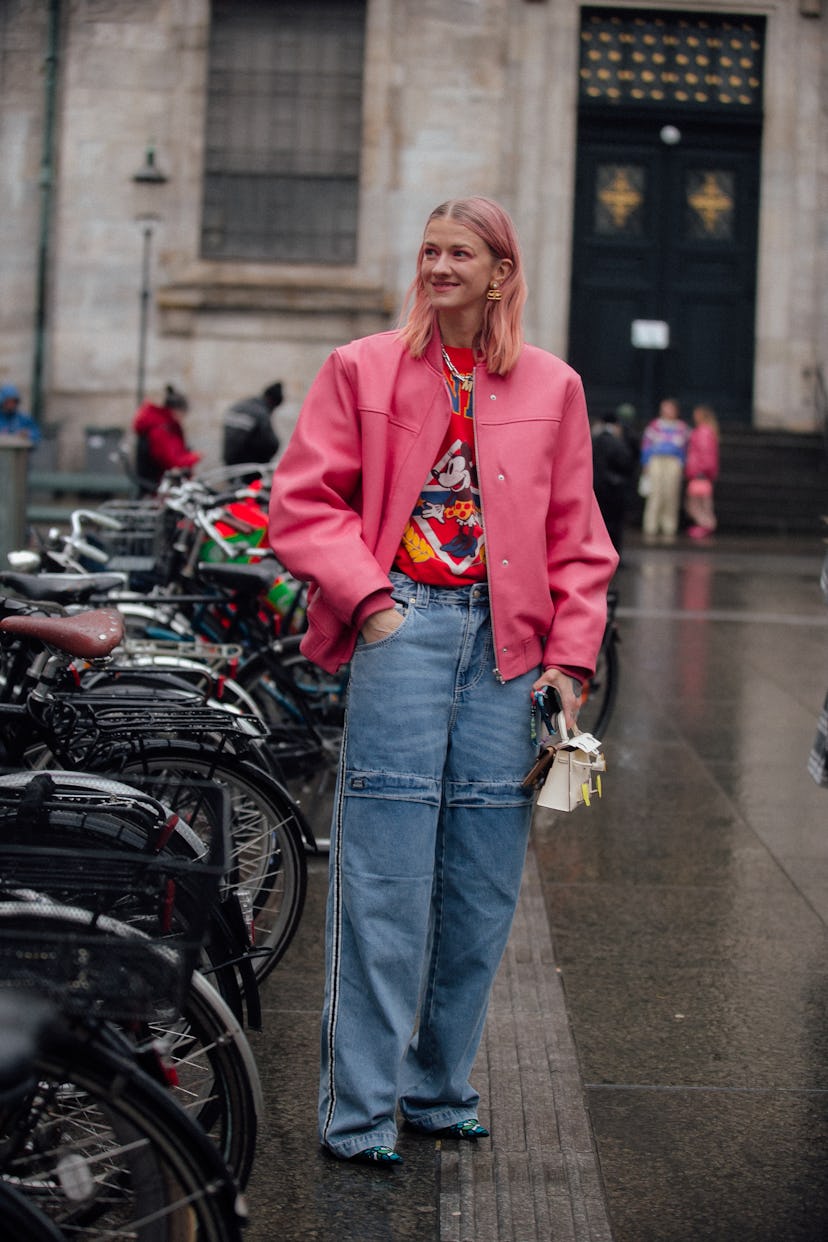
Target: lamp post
(149, 174)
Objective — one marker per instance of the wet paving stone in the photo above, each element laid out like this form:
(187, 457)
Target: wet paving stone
(655, 1066)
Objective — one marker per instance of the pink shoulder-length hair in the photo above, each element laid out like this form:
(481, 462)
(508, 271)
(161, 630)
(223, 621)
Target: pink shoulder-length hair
(501, 336)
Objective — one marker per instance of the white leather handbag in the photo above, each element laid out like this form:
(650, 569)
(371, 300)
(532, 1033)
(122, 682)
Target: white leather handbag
(575, 776)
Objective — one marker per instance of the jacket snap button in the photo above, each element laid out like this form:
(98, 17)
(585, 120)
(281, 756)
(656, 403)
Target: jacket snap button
(501, 477)
(504, 562)
(492, 397)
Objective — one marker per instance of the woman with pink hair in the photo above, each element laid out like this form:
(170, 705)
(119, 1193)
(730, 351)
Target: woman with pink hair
(437, 495)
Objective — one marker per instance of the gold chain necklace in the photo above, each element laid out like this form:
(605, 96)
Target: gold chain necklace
(466, 381)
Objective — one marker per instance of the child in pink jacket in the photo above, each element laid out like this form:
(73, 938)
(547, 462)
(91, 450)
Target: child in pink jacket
(701, 472)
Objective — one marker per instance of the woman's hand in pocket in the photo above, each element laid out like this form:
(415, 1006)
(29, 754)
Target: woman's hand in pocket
(381, 624)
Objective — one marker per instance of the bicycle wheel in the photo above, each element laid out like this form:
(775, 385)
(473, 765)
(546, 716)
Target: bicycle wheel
(213, 1072)
(153, 620)
(104, 1152)
(305, 713)
(216, 1077)
(598, 695)
(267, 846)
(22, 1220)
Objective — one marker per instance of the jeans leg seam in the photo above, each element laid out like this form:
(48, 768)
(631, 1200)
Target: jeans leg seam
(336, 945)
(428, 998)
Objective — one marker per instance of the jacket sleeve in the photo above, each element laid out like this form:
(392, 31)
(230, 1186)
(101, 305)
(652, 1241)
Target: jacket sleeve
(581, 558)
(168, 451)
(315, 526)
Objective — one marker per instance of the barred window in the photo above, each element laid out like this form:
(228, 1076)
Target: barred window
(282, 150)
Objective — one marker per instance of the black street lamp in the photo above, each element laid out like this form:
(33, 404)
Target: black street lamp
(149, 174)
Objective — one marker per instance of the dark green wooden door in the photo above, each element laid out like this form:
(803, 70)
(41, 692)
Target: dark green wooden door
(665, 233)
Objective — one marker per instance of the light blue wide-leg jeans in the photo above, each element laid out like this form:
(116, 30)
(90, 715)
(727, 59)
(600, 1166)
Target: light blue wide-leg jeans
(427, 850)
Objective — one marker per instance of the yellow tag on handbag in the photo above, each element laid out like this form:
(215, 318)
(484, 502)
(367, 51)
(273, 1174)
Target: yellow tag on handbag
(576, 775)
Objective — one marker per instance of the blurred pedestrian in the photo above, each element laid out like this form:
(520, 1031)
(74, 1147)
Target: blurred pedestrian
(701, 471)
(818, 757)
(627, 419)
(13, 420)
(613, 466)
(160, 441)
(406, 440)
(249, 437)
(663, 454)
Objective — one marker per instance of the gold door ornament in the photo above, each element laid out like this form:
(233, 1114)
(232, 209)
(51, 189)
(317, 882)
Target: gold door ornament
(619, 198)
(710, 204)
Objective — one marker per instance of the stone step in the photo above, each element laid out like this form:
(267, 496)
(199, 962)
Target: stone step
(772, 481)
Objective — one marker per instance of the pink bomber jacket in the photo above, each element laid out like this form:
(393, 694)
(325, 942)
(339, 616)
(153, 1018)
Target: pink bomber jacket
(368, 434)
(702, 453)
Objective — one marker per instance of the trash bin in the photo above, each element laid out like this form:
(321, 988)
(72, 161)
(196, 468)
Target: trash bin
(14, 465)
(102, 444)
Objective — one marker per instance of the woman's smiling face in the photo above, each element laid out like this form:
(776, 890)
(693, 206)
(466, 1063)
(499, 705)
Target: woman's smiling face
(457, 268)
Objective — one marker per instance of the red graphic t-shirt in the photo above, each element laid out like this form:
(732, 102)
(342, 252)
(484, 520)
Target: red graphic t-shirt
(443, 544)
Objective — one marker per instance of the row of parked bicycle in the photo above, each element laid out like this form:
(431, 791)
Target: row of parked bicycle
(168, 762)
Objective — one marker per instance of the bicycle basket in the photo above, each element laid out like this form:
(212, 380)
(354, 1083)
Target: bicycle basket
(69, 848)
(134, 547)
(89, 965)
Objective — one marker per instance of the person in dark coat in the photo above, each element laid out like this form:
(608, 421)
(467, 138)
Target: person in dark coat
(248, 429)
(613, 466)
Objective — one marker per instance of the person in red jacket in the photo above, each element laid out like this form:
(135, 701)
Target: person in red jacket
(437, 494)
(160, 442)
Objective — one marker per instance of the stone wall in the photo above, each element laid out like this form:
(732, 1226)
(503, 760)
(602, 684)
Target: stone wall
(461, 96)
(23, 31)
(791, 321)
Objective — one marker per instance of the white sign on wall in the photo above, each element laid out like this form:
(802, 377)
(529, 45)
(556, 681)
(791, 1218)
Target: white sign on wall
(650, 334)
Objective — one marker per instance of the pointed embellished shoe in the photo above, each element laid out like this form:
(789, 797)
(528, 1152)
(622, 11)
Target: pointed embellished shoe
(376, 1155)
(468, 1129)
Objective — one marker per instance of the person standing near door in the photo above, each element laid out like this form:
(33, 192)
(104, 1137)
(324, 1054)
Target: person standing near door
(702, 470)
(613, 469)
(663, 455)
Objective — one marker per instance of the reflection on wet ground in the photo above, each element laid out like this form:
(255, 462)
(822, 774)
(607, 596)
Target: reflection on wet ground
(687, 913)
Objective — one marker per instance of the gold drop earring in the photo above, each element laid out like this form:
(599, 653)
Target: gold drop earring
(493, 293)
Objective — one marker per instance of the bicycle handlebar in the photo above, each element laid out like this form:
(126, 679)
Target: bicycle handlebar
(90, 551)
(96, 517)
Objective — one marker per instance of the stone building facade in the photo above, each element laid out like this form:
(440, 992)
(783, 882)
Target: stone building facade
(114, 285)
